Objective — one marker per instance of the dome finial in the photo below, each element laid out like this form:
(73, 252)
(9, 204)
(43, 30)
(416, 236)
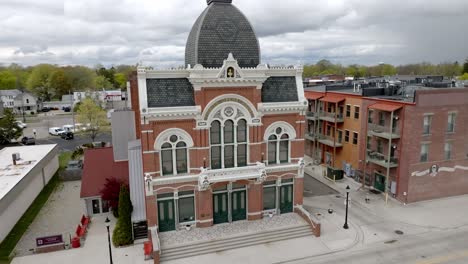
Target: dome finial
(219, 1)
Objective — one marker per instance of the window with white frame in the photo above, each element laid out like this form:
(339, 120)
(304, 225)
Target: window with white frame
(228, 142)
(427, 124)
(424, 152)
(278, 147)
(174, 156)
(448, 150)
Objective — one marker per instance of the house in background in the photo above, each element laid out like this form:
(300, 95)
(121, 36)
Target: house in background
(19, 101)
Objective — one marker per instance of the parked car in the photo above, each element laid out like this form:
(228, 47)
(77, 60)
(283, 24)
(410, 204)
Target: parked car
(67, 135)
(21, 124)
(67, 109)
(73, 171)
(45, 109)
(28, 141)
(55, 131)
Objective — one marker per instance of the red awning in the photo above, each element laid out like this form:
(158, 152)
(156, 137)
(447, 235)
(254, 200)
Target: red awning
(385, 106)
(313, 96)
(333, 99)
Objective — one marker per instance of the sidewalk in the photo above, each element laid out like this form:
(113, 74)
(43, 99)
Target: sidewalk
(437, 214)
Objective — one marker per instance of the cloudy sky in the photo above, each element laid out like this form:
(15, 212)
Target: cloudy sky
(69, 32)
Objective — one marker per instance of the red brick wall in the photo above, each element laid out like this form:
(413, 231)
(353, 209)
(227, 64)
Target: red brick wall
(135, 102)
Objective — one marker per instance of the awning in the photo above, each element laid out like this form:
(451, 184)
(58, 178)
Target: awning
(313, 96)
(333, 99)
(382, 106)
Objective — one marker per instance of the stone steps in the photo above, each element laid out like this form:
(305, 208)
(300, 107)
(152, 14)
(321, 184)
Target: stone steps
(248, 239)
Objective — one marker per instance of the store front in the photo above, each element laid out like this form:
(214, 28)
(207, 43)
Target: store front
(176, 210)
(229, 203)
(278, 196)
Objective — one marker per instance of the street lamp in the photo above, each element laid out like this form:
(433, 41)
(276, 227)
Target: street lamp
(107, 223)
(347, 201)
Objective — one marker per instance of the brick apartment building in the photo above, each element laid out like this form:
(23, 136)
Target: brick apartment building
(223, 138)
(412, 147)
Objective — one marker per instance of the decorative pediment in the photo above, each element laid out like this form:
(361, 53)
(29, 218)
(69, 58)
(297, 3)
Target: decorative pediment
(230, 69)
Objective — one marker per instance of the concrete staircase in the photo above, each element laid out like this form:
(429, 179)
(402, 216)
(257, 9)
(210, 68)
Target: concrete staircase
(244, 240)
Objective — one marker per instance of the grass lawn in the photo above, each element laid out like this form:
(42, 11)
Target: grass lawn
(7, 246)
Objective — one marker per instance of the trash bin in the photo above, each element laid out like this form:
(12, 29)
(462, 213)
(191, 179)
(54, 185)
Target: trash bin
(76, 242)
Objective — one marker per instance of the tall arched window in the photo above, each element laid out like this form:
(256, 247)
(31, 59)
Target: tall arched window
(174, 158)
(228, 144)
(278, 147)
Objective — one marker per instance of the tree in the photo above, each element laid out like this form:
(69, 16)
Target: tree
(91, 113)
(121, 80)
(7, 80)
(9, 130)
(110, 193)
(81, 78)
(59, 83)
(122, 234)
(101, 82)
(38, 81)
(465, 66)
(464, 77)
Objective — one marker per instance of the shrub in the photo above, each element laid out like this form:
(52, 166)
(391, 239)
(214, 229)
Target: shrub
(122, 234)
(110, 193)
(77, 153)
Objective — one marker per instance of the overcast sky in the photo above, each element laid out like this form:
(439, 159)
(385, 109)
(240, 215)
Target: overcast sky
(155, 31)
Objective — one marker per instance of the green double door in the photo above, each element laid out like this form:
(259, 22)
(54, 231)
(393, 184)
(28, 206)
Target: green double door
(286, 199)
(166, 215)
(221, 207)
(379, 182)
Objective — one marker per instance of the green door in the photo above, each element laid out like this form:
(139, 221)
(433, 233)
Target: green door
(166, 215)
(220, 208)
(238, 204)
(286, 199)
(379, 182)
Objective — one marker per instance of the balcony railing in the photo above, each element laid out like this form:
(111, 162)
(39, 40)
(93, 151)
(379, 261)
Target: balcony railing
(329, 141)
(381, 159)
(383, 131)
(311, 115)
(310, 135)
(332, 117)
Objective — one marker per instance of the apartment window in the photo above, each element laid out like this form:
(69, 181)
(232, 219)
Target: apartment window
(346, 137)
(328, 130)
(355, 138)
(370, 116)
(424, 152)
(356, 112)
(348, 110)
(340, 136)
(381, 119)
(27, 101)
(427, 124)
(369, 145)
(451, 122)
(448, 150)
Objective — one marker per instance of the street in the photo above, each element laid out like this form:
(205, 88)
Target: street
(70, 145)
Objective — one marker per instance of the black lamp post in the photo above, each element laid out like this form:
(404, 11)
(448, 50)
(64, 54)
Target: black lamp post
(347, 201)
(107, 222)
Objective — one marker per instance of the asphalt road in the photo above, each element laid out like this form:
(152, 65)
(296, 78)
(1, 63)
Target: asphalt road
(70, 145)
(313, 187)
(429, 248)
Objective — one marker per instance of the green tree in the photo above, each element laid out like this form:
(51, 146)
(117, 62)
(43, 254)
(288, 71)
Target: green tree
(121, 80)
(7, 80)
(38, 81)
(9, 130)
(122, 234)
(91, 113)
(59, 84)
(81, 78)
(465, 66)
(464, 77)
(101, 82)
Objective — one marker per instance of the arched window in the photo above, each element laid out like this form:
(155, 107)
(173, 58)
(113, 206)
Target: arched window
(228, 144)
(174, 156)
(278, 147)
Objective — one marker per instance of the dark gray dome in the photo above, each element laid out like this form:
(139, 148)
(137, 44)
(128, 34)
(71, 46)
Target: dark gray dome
(222, 29)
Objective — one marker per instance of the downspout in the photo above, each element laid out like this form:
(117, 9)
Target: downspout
(365, 152)
(334, 137)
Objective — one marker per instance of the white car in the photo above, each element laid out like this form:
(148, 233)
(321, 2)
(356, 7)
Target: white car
(21, 124)
(56, 131)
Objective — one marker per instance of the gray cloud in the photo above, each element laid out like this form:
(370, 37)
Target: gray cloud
(154, 32)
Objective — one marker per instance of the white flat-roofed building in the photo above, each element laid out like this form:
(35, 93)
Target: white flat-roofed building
(23, 180)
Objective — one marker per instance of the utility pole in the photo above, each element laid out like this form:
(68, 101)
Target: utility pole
(72, 110)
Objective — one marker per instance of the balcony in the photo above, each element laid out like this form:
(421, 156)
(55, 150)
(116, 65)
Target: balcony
(330, 117)
(310, 136)
(381, 160)
(329, 141)
(311, 115)
(383, 131)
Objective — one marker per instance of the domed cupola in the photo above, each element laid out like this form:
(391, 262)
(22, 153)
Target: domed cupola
(222, 29)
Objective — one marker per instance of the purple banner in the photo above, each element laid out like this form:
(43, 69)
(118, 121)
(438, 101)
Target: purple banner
(50, 240)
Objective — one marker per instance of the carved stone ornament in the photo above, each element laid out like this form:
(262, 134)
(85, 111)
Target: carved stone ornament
(301, 168)
(262, 177)
(148, 180)
(228, 111)
(203, 183)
